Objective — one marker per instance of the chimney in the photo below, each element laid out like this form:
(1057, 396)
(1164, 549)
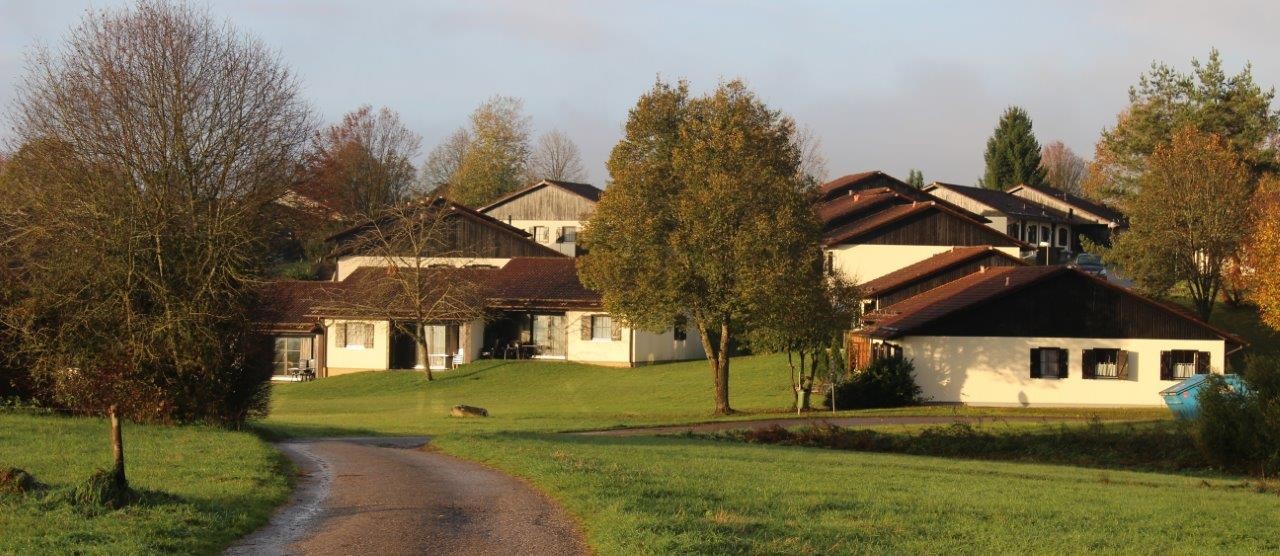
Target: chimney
(1006, 280)
(982, 268)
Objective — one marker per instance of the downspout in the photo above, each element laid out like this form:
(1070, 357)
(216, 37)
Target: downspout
(631, 351)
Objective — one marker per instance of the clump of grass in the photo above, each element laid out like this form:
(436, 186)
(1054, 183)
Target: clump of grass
(16, 482)
(102, 490)
(1162, 447)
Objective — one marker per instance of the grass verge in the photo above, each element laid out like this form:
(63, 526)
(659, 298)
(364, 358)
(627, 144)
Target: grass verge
(200, 487)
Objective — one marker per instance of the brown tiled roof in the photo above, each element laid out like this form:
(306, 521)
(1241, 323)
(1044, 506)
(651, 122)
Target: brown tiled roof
(286, 305)
(537, 282)
(901, 318)
(932, 265)
(876, 220)
(584, 190)
(828, 191)
(847, 205)
(1010, 204)
(549, 283)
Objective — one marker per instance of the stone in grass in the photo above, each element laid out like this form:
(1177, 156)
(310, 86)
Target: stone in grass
(14, 481)
(468, 411)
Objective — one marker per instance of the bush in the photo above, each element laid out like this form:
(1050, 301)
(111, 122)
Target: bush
(1241, 431)
(102, 490)
(886, 382)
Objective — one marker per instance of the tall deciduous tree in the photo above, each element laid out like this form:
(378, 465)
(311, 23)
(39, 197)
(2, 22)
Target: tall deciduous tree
(444, 161)
(706, 215)
(363, 164)
(1263, 251)
(151, 141)
(1063, 169)
(556, 157)
(1188, 218)
(1013, 154)
(496, 157)
(1166, 100)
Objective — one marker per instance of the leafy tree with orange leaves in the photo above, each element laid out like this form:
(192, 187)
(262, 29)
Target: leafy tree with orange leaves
(1264, 251)
(1188, 219)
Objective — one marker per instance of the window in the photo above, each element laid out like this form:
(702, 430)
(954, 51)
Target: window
(1105, 363)
(1180, 364)
(354, 335)
(1031, 234)
(540, 234)
(601, 327)
(1062, 237)
(1048, 362)
(1046, 235)
(568, 234)
(292, 353)
(1014, 230)
(681, 329)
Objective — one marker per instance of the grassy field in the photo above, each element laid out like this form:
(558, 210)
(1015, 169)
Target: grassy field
(201, 487)
(558, 396)
(670, 495)
(690, 495)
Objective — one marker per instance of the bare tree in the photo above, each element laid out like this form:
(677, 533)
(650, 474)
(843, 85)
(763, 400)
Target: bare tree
(420, 284)
(149, 144)
(363, 163)
(1063, 169)
(444, 161)
(813, 164)
(556, 157)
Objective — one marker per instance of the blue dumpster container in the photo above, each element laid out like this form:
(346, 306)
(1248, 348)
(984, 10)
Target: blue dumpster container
(1183, 398)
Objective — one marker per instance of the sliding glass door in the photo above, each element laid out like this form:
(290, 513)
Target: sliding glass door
(548, 335)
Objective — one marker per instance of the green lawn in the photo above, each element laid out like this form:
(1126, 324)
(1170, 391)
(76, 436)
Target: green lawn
(558, 396)
(670, 495)
(688, 495)
(201, 487)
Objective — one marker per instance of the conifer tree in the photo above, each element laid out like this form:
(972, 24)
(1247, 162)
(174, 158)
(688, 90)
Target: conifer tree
(1013, 154)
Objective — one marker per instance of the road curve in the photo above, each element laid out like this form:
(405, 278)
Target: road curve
(385, 496)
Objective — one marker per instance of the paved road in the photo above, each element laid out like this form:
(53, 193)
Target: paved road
(814, 419)
(385, 496)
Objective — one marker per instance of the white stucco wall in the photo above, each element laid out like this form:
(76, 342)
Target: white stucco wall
(996, 371)
(344, 266)
(342, 360)
(863, 262)
(604, 352)
(654, 348)
(553, 226)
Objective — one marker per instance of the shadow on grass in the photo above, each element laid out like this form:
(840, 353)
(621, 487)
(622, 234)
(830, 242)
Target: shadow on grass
(279, 432)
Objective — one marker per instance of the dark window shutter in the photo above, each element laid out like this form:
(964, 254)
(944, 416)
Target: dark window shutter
(1202, 362)
(615, 330)
(1166, 365)
(1088, 364)
(368, 336)
(1035, 363)
(1062, 363)
(586, 327)
(1122, 365)
(340, 335)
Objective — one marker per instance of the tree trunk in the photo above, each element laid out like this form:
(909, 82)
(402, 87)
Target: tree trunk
(117, 448)
(424, 351)
(722, 371)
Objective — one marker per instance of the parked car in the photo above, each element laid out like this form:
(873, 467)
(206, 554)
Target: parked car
(1090, 264)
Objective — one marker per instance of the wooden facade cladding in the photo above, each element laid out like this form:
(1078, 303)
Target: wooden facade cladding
(1067, 306)
(481, 240)
(944, 276)
(543, 203)
(936, 227)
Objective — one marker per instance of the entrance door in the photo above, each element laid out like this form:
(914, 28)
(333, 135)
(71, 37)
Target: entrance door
(549, 335)
(404, 349)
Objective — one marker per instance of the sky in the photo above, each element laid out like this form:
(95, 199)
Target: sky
(885, 85)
